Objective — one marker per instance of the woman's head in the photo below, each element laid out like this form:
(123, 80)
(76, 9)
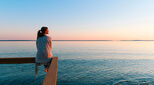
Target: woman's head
(42, 32)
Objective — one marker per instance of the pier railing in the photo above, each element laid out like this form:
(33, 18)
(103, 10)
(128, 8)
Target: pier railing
(51, 76)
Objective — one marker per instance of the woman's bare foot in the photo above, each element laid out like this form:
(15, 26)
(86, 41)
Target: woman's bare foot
(46, 69)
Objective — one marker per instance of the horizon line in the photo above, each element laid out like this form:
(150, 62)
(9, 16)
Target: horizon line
(80, 40)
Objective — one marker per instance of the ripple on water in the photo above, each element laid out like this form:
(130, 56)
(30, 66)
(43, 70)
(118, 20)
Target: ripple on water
(83, 72)
(139, 81)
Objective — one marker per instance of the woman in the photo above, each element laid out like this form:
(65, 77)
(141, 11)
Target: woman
(44, 48)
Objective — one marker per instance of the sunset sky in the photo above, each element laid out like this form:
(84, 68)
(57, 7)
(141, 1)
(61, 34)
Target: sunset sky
(78, 19)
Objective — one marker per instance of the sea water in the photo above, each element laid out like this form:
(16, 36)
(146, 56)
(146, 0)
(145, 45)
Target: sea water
(83, 63)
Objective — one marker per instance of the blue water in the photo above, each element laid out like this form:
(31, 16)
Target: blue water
(83, 63)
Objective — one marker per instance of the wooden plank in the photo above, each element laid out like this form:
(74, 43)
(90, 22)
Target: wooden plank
(51, 76)
(17, 60)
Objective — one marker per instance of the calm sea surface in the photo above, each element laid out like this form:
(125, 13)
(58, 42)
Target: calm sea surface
(83, 63)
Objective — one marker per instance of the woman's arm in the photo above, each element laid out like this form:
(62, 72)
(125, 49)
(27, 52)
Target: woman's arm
(50, 41)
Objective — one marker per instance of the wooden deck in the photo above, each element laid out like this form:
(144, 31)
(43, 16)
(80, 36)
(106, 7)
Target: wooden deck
(51, 76)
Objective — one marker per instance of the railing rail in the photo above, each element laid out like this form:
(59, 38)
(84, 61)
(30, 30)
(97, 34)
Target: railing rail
(17, 60)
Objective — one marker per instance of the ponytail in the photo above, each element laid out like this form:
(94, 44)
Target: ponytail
(39, 34)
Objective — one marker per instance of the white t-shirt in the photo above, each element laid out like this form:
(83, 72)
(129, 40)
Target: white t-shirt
(44, 49)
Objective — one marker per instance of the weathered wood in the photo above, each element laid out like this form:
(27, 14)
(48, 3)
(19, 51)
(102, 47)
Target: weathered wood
(17, 60)
(51, 76)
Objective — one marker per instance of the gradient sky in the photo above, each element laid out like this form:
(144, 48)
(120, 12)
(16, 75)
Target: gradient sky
(78, 19)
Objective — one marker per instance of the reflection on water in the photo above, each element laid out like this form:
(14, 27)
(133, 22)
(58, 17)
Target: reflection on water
(104, 50)
(84, 63)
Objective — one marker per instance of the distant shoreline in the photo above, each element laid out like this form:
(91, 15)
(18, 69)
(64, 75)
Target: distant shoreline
(80, 40)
